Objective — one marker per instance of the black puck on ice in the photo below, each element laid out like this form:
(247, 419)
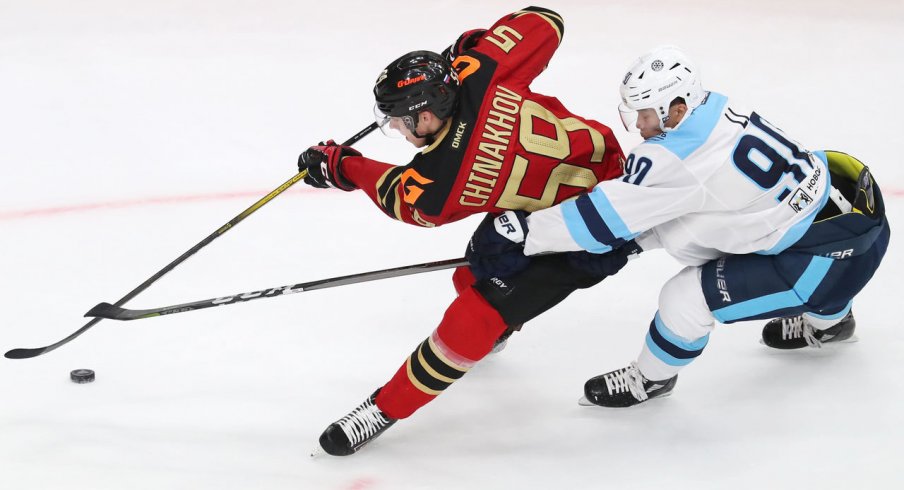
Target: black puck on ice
(82, 376)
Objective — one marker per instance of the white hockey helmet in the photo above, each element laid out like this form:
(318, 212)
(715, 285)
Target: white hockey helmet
(655, 80)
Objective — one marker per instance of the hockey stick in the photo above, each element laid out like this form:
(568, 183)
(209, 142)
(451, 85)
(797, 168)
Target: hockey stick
(114, 312)
(25, 353)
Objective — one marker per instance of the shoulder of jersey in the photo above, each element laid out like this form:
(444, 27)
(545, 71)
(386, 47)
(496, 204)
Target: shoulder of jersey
(663, 138)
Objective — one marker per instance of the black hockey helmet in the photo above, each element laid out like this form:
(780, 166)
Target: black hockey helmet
(417, 81)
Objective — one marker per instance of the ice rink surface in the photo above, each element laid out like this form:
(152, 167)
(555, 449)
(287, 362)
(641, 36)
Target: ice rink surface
(129, 131)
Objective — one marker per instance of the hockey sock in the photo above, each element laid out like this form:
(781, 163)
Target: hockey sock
(664, 353)
(465, 335)
(680, 329)
(822, 322)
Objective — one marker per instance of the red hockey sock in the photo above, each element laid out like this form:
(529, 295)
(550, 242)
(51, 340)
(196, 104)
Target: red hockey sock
(466, 334)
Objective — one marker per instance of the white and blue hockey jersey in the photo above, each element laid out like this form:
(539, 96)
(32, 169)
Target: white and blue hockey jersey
(725, 181)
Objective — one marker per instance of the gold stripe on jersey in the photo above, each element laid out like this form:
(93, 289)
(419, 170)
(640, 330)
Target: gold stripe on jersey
(416, 216)
(430, 371)
(387, 192)
(554, 19)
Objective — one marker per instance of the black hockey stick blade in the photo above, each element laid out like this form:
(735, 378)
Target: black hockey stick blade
(25, 353)
(113, 312)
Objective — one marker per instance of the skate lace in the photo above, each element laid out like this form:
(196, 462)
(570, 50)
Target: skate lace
(796, 327)
(625, 380)
(363, 422)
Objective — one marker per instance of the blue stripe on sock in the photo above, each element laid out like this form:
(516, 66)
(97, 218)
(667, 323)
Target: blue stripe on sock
(668, 335)
(665, 356)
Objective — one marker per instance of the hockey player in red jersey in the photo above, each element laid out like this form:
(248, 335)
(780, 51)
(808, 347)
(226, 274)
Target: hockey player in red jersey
(490, 144)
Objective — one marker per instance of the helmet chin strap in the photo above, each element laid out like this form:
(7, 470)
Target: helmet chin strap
(430, 137)
(662, 126)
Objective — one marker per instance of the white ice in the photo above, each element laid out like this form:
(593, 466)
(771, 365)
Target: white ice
(129, 131)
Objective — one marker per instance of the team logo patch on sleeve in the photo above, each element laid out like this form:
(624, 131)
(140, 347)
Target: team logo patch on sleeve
(800, 200)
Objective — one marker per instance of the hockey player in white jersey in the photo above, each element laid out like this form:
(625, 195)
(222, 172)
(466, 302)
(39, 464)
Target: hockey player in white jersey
(766, 228)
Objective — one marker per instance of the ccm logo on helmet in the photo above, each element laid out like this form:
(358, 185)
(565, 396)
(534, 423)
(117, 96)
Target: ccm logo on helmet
(409, 81)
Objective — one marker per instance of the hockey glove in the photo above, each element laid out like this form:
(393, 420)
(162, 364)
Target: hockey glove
(497, 247)
(323, 163)
(607, 264)
(464, 42)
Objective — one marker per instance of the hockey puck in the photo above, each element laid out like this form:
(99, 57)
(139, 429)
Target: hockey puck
(82, 376)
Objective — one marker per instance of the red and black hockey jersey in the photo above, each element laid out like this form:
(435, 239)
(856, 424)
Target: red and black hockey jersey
(505, 147)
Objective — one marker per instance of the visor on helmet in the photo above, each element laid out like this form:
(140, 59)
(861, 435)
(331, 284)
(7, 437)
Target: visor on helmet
(628, 117)
(390, 125)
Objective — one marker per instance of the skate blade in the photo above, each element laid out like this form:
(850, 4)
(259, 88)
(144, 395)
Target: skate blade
(499, 347)
(849, 340)
(584, 402)
(317, 452)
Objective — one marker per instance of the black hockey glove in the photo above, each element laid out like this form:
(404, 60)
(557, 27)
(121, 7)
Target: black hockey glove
(323, 163)
(497, 247)
(607, 264)
(464, 42)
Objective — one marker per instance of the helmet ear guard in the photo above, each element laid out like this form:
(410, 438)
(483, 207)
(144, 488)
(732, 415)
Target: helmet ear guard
(655, 80)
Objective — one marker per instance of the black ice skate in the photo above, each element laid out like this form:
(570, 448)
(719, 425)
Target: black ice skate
(796, 333)
(624, 387)
(501, 342)
(350, 433)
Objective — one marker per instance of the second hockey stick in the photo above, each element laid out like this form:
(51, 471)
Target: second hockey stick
(26, 353)
(115, 312)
